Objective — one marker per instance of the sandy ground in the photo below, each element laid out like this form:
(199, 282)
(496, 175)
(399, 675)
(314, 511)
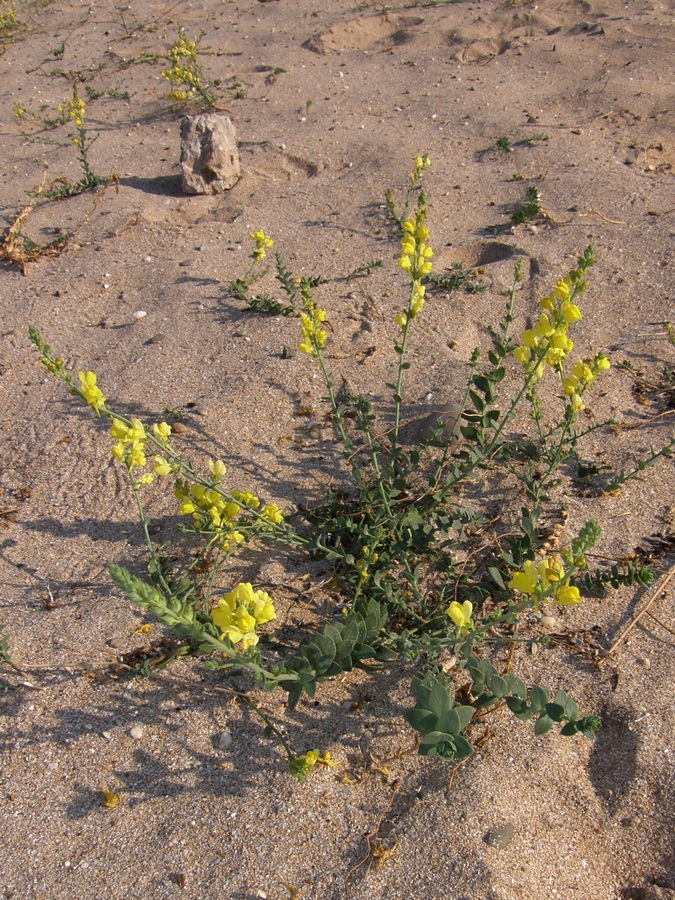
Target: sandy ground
(338, 98)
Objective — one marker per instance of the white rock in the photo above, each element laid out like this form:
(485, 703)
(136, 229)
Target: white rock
(140, 314)
(209, 157)
(136, 732)
(225, 740)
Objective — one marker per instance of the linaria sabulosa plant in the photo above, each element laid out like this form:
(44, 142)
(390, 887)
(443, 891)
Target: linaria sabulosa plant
(418, 582)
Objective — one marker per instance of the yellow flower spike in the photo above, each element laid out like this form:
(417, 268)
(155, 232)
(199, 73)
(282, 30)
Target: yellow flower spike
(568, 596)
(461, 614)
(526, 581)
(91, 392)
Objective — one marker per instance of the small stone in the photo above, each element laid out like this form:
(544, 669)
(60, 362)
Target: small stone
(209, 157)
(500, 837)
(140, 314)
(136, 732)
(106, 735)
(443, 422)
(185, 263)
(645, 662)
(547, 622)
(287, 353)
(115, 642)
(224, 740)
(147, 259)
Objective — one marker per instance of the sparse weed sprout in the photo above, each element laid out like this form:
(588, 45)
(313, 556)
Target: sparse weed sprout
(417, 578)
(75, 111)
(185, 72)
(8, 21)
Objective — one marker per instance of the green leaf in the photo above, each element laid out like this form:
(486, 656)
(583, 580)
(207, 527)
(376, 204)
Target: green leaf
(430, 742)
(555, 711)
(422, 720)
(571, 709)
(462, 747)
(538, 698)
(478, 402)
(519, 707)
(544, 724)
(439, 700)
(498, 686)
(496, 576)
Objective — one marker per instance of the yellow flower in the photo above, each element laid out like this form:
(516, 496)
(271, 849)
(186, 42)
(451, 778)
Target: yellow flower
(273, 513)
(551, 570)
(576, 403)
(239, 612)
(262, 241)
(571, 312)
(544, 328)
(570, 385)
(91, 392)
(162, 431)
(549, 303)
(401, 320)
(314, 336)
(76, 110)
(562, 289)
(218, 469)
(461, 614)
(567, 595)
(527, 580)
(522, 355)
(583, 372)
(162, 467)
(602, 363)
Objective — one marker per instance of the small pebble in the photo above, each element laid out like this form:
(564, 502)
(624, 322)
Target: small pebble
(147, 259)
(106, 735)
(225, 740)
(501, 837)
(140, 314)
(547, 622)
(185, 263)
(287, 353)
(136, 732)
(644, 662)
(115, 643)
